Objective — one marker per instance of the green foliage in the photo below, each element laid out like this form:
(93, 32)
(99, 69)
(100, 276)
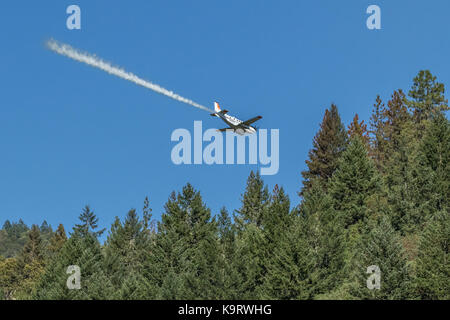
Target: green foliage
(354, 183)
(82, 250)
(254, 202)
(184, 261)
(328, 144)
(125, 253)
(433, 261)
(427, 97)
(367, 200)
(13, 236)
(380, 246)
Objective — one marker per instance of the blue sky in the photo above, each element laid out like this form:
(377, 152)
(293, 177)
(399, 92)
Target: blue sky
(72, 135)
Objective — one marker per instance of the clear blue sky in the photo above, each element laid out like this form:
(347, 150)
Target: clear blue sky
(72, 135)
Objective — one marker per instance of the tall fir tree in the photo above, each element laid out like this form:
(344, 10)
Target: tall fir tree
(125, 252)
(354, 183)
(84, 251)
(378, 142)
(275, 225)
(427, 97)
(228, 277)
(184, 262)
(380, 246)
(56, 241)
(255, 202)
(433, 261)
(31, 263)
(88, 224)
(325, 233)
(359, 128)
(434, 164)
(328, 144)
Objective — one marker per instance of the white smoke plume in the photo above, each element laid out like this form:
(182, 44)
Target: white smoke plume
(94, 61)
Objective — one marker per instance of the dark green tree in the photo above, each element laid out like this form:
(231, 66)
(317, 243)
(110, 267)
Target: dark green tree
(380, 246)
(83, 250)
(328, 145)
(184, 262)
(125, 253)
(433, 266)
(354, 183)
(427, 97)
(255, 201)
(88, 223)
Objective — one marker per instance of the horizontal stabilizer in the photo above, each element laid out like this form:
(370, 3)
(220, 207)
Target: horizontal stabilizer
(250, 121)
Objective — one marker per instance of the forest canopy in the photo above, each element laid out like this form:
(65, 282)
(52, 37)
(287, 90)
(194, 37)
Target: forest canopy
(374, 192)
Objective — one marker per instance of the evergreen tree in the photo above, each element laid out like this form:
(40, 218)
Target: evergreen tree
(229, 278)
(328, 145)
(88, 224)
(10, 277)
(433, 267)
(290, 265)
(354, 183)
(33, 247)
(427, 97)
(57, 241)
(378, 140)
(255, 201)
(326, 241)
(380, 246)
(277, 221)
(125, 252)
(82, 250)
(434, 162)
(184, 262)
(359, 129)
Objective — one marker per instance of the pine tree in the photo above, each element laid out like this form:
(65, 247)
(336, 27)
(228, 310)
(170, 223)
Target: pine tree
(357, 128)
(433, 266)
(125, 251)
(184, 262)
(427, 97)
(326, 241)
(33, 247)
(290, 265)
(254, 202)
(89, 223)
(354, 183)
(10, 277)
(396, 119)
(57, 241)
(82, 250)
(434, 162)
(277, 221)
(229, 278)
(380, 246)
(250, 261)
(378, 140)
(328, 145)
(30, 263)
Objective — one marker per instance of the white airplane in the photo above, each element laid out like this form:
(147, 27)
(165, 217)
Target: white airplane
(238, 126)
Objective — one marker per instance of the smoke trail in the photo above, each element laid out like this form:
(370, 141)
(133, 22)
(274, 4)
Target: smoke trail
(94, 61)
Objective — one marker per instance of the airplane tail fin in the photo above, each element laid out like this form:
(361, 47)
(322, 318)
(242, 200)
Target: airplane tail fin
(216, 107)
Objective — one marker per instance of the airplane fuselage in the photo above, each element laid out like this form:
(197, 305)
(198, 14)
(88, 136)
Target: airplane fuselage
(236, 124)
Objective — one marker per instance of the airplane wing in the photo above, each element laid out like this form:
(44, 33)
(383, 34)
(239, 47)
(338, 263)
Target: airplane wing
(224, 129)
(250, 121)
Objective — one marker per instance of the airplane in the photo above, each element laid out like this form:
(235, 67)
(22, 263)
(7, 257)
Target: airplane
(238, 126)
